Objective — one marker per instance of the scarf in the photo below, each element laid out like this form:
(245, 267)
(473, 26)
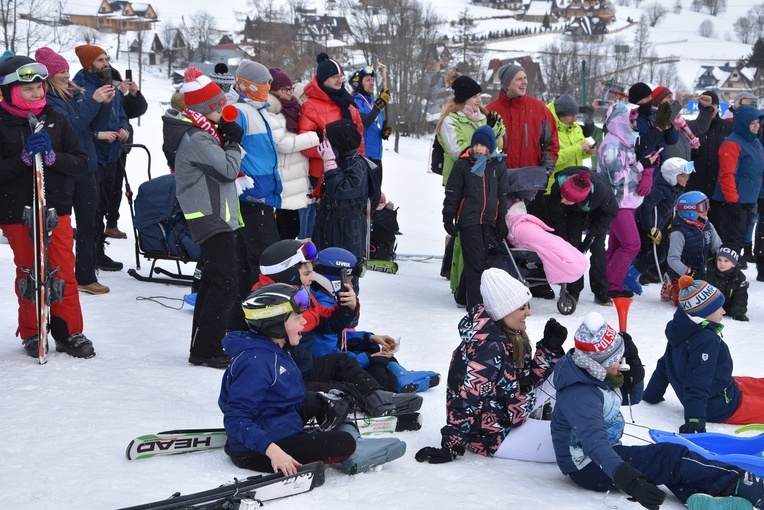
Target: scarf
(204, 124)
(681, 125)
(291, 109)
(21, 108)
(478, 167)
(341, 98)
(254, 91)
(472, 114)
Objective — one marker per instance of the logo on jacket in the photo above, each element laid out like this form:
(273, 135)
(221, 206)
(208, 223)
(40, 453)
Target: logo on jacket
(704, 356)
(281, 369)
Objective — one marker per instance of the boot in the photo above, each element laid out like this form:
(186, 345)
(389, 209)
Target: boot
(631, 282)
(384, 403)
(700, 501)
(103, 262)
(370, 452)
(410, 381)
(77, 346)
(32, 346)
(750, 487)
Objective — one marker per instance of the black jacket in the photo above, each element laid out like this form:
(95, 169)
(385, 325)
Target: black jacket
(733, 285)
(601, 204)
(476, 200)
(17, 179)
(706, 157)
(663, 196)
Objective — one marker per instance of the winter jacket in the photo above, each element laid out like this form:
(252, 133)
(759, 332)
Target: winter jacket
(17, 179)
(318, 111)
(487, 394)
(111, 117)
(455, 136)
(373, 120)
(690, 245)
(741, 161)
(261, 159)
(601, 204)
(261, 394)
(733, 285)
(80, 111)
(204, 177)
(652, 139)
(698, 365)
(617, 159)
(698, 126)
(569, 138)
(587, 420)
(531, 134)
(663, 196)
(134, 106)
(476, 199)
(706, 157)
(563, 263)
(293, 165)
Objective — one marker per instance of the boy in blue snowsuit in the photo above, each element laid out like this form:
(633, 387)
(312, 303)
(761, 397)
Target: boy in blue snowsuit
(587, 426)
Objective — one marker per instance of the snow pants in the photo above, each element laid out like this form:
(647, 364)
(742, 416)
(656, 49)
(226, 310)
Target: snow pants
(751, 406)
(623, 246)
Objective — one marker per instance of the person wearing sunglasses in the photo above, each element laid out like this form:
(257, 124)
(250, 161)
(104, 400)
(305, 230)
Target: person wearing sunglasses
(373, 114)
(22, 83)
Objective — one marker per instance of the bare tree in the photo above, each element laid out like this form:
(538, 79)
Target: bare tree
(87, 35)
(470, 50)
(655, 12)
(32, 33)
(750, 27)
(706, 29)
(715, 7)
(677, 7)
(8, 17)
(201, 32)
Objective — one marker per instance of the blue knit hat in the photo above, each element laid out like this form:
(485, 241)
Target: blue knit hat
(484, 135)
(698, 298)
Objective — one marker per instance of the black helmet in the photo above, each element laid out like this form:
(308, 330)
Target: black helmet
(267, 308)
(18, 69)
(356, 81)
(281, 260)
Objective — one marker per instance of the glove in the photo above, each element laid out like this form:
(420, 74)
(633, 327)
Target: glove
(691, 272)
(335, 409)
(327, 154)
(492, 119)
(387, 130)
(382, 99)
(231, 132)
(448, 224)
(655, 235)
(645, 183)
(38, 143)
(632, 482)
(588, 112)
(663, 118)
(502, 231)
(435, 455)
(636, 372)
(586, 244)
(693, 426)
(555, 335)
(243, 183)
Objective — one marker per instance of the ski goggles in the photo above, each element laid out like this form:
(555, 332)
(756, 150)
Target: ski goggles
(298, 303)
(336, 271)
(305, 253)
(27, 73)
(700, 207)
(688, 167)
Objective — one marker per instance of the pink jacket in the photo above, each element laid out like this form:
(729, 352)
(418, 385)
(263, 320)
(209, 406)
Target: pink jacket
(563, 263)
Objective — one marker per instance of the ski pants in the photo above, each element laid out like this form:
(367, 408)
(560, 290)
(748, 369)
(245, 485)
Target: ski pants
(66, 315)
(343, 372)
(623, 246)
(475, 240)
(106, 176)
(751, 406)
(84, 190)
(114, 192)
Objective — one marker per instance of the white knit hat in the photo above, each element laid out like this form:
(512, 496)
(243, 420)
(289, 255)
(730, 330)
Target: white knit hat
(501, 293)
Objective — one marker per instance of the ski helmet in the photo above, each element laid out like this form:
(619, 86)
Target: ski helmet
(689, 204)
(331, 262)
(281, 260)
(674, 167)
(356, 81)
(18, 69)
(267, 308)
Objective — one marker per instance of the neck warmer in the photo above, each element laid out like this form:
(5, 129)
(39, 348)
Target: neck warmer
(251, 90)
(341, 98)
(616, 381)
(204, 124)
(472, 113)
(291, 109)
(18, 107)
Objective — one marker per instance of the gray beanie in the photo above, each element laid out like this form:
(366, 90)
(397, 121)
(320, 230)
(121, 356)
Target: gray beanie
(565, 105)
(254, 72)
(507, 74)
(501, 293)
(598, 346)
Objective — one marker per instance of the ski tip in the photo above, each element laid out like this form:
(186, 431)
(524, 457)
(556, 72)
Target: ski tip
(129, 449)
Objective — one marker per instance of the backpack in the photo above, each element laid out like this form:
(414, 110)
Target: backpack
(437, 156)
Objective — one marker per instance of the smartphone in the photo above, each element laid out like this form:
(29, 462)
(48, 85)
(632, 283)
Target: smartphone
(107, 78)
(344, 277)
(600, 102)
(590, 141)
(129, 74)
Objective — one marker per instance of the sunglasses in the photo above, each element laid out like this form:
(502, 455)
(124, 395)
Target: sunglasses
(26, 74)
(298, 303)
(305, 253)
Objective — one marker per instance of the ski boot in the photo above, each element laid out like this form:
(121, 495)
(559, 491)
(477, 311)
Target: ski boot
(700, 501)
(384, 403)
(631, 282)
(410, 381)
(77, 346)
(370, 452)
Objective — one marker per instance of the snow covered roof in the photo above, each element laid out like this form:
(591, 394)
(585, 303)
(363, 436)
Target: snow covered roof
(539, 8)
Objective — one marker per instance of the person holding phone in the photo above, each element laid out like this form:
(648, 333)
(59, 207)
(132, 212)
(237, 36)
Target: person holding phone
(655, 121)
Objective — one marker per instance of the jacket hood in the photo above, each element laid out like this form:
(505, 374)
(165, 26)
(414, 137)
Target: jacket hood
(236, 342)
(567, 373)
(742, 120)
(313, 90)
(619, 126)
(274, 104)
(173, 128)
(682, 327)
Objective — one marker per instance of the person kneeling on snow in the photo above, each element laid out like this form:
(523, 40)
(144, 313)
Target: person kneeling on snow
(587, 427)
(727, 276)
(495, 382)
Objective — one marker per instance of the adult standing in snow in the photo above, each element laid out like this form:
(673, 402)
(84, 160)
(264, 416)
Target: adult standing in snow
(22, 84)
(655, 125)
(375, 126)
(687, 130)
(495, 382)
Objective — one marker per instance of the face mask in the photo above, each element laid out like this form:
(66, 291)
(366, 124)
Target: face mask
(645, 109)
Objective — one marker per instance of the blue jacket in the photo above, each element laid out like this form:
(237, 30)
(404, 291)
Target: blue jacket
(373, 121)
(111, 116)
(587, 420)
(651, 138)
(326, 342)
(80, 111)
(698, 365)
(663, 195)
(262, 393)
(741, 161)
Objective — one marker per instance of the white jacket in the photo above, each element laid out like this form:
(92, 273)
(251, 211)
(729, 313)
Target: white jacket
(293, 165)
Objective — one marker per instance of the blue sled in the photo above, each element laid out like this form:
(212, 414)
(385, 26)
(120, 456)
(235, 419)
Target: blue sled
(743, 452)
(190, 299)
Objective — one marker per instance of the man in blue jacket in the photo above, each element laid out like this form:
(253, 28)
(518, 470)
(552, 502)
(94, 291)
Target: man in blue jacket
(373, 114)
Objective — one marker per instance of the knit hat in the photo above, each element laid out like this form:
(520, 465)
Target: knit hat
(598, 346)
(326, 67)
(577, 187)
(501, 293)
(638, 92)
(280, 79)
(87, 53)
(484, 135)
(254, 72)
(343, 135)
(52, 60)
(659, 94)
(222, 77)
(728, 251)
(698, 298)
(507, 74)
(464, 88)
(672, 168)
(713, 95)
(747, 95)
(200, 93)
(565, 105)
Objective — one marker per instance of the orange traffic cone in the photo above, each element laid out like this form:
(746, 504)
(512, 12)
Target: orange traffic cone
(622, 305)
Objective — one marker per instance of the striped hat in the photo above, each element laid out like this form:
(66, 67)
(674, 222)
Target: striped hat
(699, 298)
(200, 93)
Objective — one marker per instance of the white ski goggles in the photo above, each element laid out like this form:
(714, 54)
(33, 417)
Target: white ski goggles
(27, 73)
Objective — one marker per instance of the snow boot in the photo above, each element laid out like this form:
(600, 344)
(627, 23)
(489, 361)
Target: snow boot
(32, 346)
(410, 381)
(700, 501)
(77, 346)
(370, 452)
(384, 403)
(750, 487)
(631, 282)
(103, 261)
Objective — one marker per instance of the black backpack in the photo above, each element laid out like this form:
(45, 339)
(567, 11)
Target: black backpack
(437, 157)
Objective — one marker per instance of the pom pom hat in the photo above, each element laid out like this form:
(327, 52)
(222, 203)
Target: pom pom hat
(501, 293)
(200, 93)
(326, 67)
(698, 298)
(576, 187)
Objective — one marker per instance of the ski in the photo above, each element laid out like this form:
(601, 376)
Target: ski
(382, 266)
(245, 494)
(414, 258)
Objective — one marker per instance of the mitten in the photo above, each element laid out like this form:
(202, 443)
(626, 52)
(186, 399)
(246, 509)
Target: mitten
(655, 235)
(636, 372)
(492, 118)
(243, 183)
(663, 118)
(693, 426)
(448, 224)
(632, 482)
(555, 335)
(387, 130)
(231, 132)
(435, 455)
(502, 231)
(327, 154)
(38, 143)
(382, 99)
(645, 183)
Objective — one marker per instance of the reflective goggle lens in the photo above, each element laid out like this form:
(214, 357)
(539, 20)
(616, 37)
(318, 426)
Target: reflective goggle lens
(301, 300)
(704, 206)
(309, 251)
(689, 167)
(368, 70)
(27, 74)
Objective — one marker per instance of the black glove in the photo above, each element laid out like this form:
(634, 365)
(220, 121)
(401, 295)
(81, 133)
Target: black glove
(435, 455)
(383, 99)
(387, 130)
(555, 335)
(492, 118)
(588, 111)
(632, 482)
(738, 313)
(448, 224)
(636, 372)
(231, 132)
(693, 426)
(663, 118)
(586, 244)
(502, 231)
(336, 406)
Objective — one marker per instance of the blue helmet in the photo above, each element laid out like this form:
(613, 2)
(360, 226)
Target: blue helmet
(691, 203)
(331, 262)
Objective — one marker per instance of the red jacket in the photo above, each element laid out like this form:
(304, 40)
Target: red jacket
(531, 137)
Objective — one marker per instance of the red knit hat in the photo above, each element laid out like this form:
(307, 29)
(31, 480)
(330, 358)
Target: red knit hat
(576, 187)
(87, 53)
(52, 60)
(200, 93)
(659, 94)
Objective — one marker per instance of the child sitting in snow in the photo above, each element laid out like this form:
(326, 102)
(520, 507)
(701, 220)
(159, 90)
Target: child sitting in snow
(730, 280)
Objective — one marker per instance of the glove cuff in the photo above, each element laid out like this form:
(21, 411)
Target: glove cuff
(625, 477)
